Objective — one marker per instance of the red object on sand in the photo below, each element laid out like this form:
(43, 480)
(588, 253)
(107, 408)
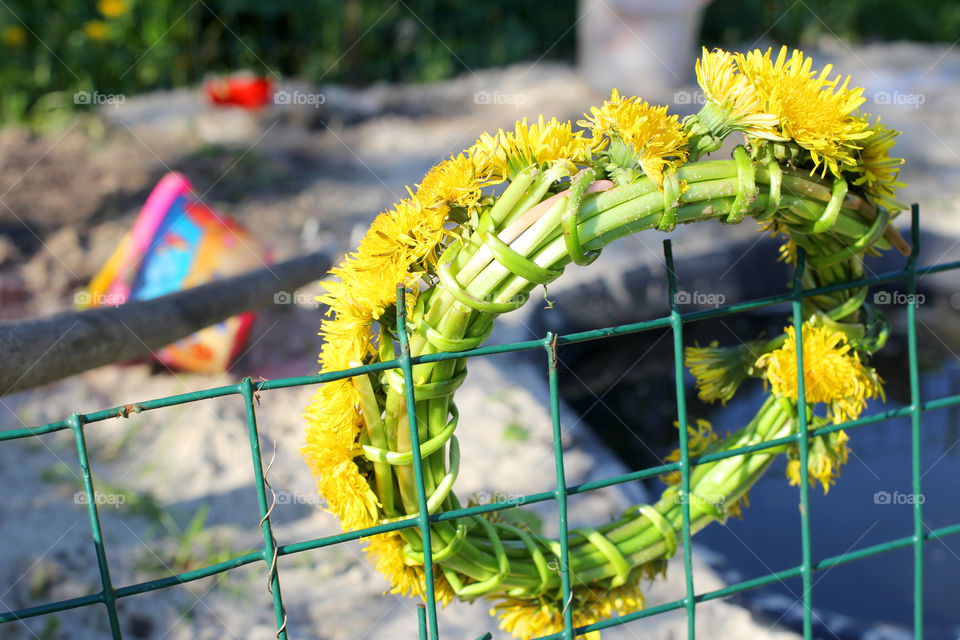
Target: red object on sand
(242, 90)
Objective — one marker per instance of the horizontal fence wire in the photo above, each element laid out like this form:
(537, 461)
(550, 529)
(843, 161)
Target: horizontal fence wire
(249, 392)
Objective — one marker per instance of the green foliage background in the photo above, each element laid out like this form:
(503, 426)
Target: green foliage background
(167, 43)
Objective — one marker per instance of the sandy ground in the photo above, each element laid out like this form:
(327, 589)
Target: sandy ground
(176, 483)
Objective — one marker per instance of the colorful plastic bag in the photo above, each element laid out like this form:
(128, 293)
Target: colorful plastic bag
(176, 243)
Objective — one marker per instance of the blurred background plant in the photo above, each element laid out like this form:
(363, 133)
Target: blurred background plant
(52, 50)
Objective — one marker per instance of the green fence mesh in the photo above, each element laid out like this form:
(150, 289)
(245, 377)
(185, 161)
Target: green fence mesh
(248, 390)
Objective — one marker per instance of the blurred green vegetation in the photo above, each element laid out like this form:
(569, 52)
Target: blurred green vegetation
(50, 49)
(793, 22)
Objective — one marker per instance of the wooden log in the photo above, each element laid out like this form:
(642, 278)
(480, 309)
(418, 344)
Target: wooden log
(40, 351)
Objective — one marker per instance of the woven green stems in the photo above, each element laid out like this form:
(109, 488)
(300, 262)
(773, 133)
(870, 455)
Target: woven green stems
(535, 228)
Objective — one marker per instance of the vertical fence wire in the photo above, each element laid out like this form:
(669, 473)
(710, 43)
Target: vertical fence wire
(108, 596)
(915, 417)
(423, 517)
(676, 327)
(806, 572)
(560, 494)
(269, 544)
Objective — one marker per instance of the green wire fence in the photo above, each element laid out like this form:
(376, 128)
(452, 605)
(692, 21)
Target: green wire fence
(248, 391)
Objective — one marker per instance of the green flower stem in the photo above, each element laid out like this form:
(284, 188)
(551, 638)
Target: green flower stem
(405, 474)
(515, 191)
(637, 536)
(724, 480)
(618, 207)
(538, 190)
(377, 436)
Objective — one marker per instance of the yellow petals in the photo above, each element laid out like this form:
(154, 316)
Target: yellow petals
(832, 372)
(827, 454)
(700, 436)
(542, 143)
(879, 171)
(528, 618)
(813, 110)
(735, 509)
(788, 250)
(386, 553)
(741, 108)
(95, 30)
(112, 8)
(391, 253)
(397, 248)
(13, 35)
(718, 371)
(453, 182)
(651, 139)
(333, 426)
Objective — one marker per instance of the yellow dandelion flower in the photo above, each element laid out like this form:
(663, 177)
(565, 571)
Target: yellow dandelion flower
(13, 35)
(442, 590)
(423, 232)
(96, 30)
(112, 8)
(813, 110)
(700, 437)
(334, 423)
(333, 426)
(386, 552)
(529, 618)
(541, 143)
(349, 497)
(879, 171)
(735, 508)
(329, 453)
(718, 371)
(655, 569)
(392, 252)
(640, 135)
(388, 255)
(788, 250)
(832, 372)
(601, 604)
(454, 182)
(828, 453)
(536, 617)
(347, 339)
(407, 579)
(793, 472)
(740, 108)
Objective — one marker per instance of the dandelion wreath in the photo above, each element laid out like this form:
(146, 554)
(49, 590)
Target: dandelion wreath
(811, 168)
